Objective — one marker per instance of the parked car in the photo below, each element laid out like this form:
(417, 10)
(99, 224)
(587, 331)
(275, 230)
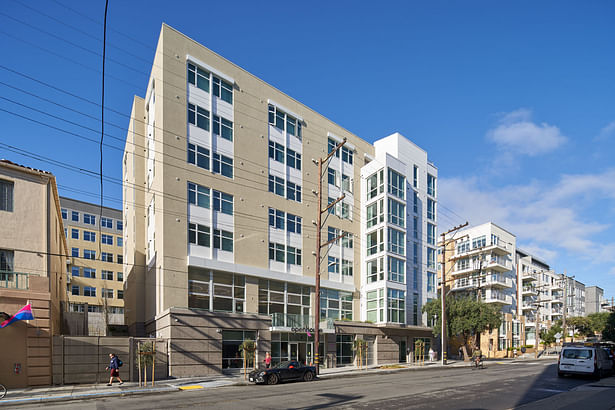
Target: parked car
(285, 371)
(585, 359)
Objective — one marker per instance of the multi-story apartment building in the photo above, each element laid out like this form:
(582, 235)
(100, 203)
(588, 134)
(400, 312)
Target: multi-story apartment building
(594, 300)
(480, 263)
(96, 275)
(575, 297)
(541, 291)
(220, 210)
(31, 271)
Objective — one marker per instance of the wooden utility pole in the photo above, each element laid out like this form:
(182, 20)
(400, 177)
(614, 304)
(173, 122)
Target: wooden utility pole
(443, 290)
(319, 245)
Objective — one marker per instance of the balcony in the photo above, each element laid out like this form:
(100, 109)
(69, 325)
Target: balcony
(14, 280)
(529, 276)
(499, 263)
(498, 281)
(529, 290)
(498, 299)
(500, 249)
(285, 321)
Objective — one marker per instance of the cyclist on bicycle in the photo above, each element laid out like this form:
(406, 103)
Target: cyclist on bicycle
(477, 356)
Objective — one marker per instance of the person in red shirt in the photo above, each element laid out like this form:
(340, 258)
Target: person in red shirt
(267, 360)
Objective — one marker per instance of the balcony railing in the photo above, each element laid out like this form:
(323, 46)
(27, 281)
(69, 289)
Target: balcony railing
(14, 280)
(299, 321)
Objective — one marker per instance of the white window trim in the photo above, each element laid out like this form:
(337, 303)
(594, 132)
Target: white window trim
(209, 68)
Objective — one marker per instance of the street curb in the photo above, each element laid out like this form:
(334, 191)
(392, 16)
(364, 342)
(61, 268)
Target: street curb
(82, 396)
(359, 373)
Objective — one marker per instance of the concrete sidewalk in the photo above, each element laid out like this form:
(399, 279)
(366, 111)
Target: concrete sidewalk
(88, 391)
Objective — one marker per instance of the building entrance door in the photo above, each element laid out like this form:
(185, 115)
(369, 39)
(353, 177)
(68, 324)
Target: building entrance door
(305, 353)
(402, 351)
(293, 351)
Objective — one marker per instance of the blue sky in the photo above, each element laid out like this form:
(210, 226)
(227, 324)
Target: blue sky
(513, 101)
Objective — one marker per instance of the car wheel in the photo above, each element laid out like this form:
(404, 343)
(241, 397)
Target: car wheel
(273, 379)
(308, 377)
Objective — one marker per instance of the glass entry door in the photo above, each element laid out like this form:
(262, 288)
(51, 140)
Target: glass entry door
(402, 351)
(293, 351)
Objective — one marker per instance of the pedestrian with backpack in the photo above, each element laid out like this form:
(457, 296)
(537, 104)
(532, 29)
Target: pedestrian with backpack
(114, 366)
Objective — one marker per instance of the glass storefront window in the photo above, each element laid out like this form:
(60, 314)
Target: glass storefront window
(217, 291)
(231, 340)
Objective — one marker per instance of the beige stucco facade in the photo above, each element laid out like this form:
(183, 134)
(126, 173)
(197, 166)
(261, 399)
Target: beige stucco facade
(167, 267)
(34, 260)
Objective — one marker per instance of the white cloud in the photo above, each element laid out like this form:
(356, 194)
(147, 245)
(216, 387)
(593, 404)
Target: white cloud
(606, 132)
(516, 132)
(551, 219)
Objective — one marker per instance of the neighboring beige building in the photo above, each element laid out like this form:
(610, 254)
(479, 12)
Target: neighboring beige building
(32, 267)
(219, 213)
(96, 274)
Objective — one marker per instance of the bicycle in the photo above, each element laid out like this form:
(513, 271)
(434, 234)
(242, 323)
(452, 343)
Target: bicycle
(2, 391)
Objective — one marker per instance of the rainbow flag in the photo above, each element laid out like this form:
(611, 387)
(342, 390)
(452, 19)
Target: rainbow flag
(25, 313)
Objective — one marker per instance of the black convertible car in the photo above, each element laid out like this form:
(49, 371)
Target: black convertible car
(289, 370)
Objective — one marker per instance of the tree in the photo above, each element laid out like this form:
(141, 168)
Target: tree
(598, 321)
(465, 316)
(608, 333)
(548, 336)
(581, 325)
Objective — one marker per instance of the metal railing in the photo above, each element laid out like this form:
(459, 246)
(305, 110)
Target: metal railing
(14, 280)
(299, 321)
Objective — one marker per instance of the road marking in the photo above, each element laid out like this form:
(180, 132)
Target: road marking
(191, 387)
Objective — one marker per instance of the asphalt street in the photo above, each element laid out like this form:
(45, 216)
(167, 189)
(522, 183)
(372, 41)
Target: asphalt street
(525, 384)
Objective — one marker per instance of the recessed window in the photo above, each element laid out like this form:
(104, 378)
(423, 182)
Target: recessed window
(293, 159)
(199, 234)
(75, 290)
(119, 225)
(106, 275)
(89, 254)
(223, 240)
(284, 122)
(120, 294)
(198, 195)
(75, 271)
(75, 216)
(89, 273)
(89, 291)
(333, 265)
(198, 156)
(106, 257)
(106, 222)
(6, 195)
(6, 260)
(120, 259)
(198, 77)
(89, 219)
(276, 185)
(223, 165)
(74, 233)
(120, 241)
(75, 252)
(89, 236)
(223, 128)
(223, 89)
(120, 276)
(64, 214)
(198, 116)
(223, 202)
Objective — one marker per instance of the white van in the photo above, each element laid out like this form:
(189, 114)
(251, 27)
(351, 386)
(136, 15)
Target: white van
(584, 359)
